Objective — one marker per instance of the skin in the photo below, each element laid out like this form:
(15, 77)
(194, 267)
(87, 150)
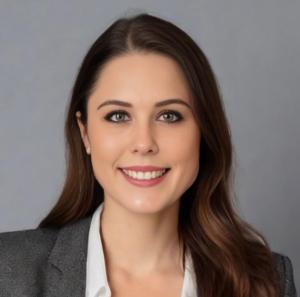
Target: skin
(139, 224)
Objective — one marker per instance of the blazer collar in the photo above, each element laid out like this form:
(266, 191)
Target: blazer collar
(66, 268)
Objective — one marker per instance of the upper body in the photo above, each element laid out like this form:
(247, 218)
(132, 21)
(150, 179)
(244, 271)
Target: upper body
(48, 262)
(161, 161)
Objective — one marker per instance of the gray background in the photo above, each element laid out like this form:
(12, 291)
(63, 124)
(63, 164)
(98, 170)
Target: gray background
(253, 47)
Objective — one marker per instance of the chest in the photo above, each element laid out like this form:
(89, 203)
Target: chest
(151, 287)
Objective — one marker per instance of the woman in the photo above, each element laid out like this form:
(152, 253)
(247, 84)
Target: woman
(146, 208)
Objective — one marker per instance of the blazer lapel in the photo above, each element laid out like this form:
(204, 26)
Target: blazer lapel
(65, 272)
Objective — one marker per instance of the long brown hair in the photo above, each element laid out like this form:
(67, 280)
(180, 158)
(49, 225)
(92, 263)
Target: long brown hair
(230, 257)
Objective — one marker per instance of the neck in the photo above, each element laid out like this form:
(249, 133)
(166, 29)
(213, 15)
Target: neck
(141, 244)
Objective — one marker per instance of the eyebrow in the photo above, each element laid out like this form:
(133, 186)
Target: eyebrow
(158, 104)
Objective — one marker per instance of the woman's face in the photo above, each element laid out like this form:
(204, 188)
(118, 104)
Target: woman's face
(143, 134)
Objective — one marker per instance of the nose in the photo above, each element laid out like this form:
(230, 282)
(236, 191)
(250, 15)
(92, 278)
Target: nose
(144, 140)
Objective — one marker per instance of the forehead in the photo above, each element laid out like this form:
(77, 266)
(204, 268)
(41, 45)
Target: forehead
(141, 75)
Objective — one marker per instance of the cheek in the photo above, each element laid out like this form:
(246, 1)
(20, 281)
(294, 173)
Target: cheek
(185, 146)
(105, 153)
(187, 156)
(188, 160)
(105, 145)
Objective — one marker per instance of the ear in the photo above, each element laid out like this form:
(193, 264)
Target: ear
(83, 132)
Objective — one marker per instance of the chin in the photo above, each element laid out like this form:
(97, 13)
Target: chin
(146, 206)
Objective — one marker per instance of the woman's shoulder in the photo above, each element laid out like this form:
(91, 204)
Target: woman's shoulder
(17, 242)
(39, 241)
(285, 269)
(23, 247)
(29, 238)
(31, 258)
(22, 255)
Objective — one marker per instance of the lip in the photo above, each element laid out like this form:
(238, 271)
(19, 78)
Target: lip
(144, 168)
(144, 183)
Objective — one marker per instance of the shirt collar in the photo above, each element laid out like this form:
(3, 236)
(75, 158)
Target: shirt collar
(96, 271)
(189, 282)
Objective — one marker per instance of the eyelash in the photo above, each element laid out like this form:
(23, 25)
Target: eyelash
(109, 115)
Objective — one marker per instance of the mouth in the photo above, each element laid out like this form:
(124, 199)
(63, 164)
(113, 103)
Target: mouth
(165, 170)
(144, 168)
(145, 181)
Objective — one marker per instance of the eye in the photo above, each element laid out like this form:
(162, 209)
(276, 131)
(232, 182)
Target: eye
(111, 114)
(172, 113)
(121, 113)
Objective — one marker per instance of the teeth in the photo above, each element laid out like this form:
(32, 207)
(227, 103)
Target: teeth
(144, 175)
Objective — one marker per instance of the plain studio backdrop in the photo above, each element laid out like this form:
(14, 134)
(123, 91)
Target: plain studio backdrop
(254, 49)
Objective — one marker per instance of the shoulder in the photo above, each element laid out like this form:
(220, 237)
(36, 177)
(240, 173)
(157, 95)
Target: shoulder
(284, 267)
(22, 253)
(32, 241)
(28, 258)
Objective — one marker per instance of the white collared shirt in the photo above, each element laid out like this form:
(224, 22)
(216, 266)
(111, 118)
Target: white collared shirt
(96, 277)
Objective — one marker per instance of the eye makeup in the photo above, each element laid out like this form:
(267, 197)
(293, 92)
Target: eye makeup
(109, 116)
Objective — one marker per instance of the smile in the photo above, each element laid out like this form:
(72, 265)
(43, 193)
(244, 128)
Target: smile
(144, 175)
(143, 179)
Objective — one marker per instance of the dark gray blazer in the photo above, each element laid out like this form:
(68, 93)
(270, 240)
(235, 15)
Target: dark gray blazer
(52, 263)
